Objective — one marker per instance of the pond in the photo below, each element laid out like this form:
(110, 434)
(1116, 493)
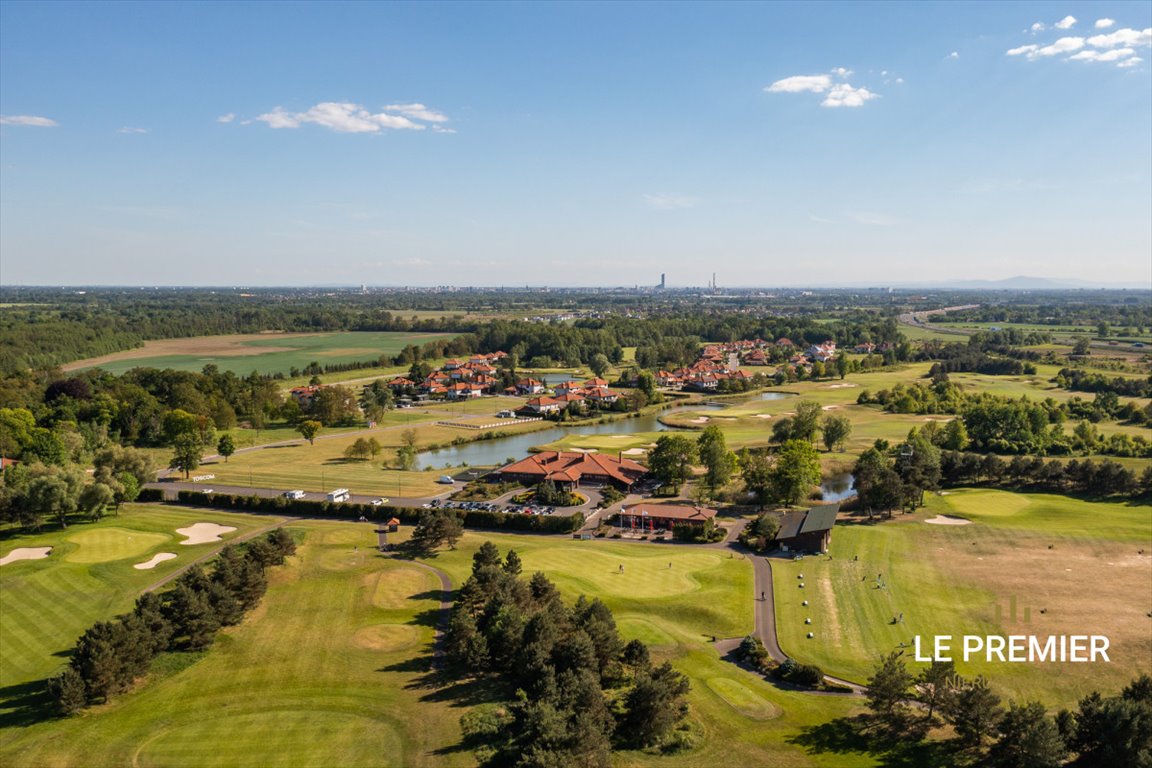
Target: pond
(494, 452)
(775, 395)
(838, 487)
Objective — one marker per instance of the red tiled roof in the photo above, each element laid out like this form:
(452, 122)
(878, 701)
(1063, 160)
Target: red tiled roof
(575, 464)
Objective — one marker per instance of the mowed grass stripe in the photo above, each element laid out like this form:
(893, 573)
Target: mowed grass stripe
(45, 605)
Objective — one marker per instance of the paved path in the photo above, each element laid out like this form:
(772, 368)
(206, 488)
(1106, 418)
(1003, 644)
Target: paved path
(445, 605)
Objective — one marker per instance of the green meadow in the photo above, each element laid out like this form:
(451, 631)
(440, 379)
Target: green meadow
(277, 353)
(1068, 567)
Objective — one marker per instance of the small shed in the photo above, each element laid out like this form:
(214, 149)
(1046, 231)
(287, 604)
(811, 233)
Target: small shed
(394, 525)
(808, 531)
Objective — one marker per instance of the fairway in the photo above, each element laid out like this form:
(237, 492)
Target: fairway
(46, 604)
(263, 353)
(1029, 564)
(328, 670)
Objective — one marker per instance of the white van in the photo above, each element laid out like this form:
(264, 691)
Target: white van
(446, 480)
(293, 494)
(340, 494)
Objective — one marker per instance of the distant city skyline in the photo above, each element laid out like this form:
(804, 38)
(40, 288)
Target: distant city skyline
(424, 144)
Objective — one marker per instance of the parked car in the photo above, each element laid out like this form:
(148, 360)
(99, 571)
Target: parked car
(446, 480)
(378, 502)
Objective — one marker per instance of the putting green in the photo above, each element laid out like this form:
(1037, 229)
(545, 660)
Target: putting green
(395, 587)
(106, 544)
(276, 738)
(386, 637)
(997, 504)
(742, 699)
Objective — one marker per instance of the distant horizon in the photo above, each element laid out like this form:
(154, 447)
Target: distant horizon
(1017, 282)
(413, 144)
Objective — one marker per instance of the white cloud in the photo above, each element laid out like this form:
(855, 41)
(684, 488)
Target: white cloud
(129, 129)
(345, 117)
(418, 112)
(226, 118)
(819, 219)
(1130, 62)
(801, 84)
(844, 95)
(1113, 55)
(1066, 23)
(1104, 23)
(670, 202)
(836, 94)
(954, 55)
(1039, 27)
(1063, 45)
(441, 129)
(34, 121)
(1123, 37)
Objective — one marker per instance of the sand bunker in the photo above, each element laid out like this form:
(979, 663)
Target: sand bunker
(698, 420)
(203, 533)
(25, 553)
(157, 558)
(830, 407)
(948, 520)
(763, 415)
(634, 452)
(842, 386)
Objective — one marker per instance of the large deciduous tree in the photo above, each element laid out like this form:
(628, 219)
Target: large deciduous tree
(185, 454)
(796, 470)
(835, 431)
(719, 462)
(671, 459)
(308, 429)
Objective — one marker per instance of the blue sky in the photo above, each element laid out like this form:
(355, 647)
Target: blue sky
(573, 143)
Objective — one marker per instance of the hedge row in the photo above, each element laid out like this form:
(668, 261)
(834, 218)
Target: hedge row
(410, 515)
(150, 494)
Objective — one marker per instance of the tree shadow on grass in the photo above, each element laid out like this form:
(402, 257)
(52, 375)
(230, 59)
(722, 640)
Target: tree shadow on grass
(24, 704)
(438, 595)
(903, 747)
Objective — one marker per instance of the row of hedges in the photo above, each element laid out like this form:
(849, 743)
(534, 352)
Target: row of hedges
(150, 494)
(410, 515)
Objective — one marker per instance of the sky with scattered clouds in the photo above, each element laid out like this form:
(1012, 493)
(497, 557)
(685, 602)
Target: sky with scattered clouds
(573, 144)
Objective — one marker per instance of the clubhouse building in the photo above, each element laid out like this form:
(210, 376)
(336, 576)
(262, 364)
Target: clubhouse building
(570, 469)
(650, 517)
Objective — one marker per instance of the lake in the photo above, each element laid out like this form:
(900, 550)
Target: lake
(494, 452)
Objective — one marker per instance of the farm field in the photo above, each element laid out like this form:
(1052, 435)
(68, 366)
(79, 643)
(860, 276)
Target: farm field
(1067, 334)
(331, 668)
(265, 353)
(88, 576)
(1076, 561)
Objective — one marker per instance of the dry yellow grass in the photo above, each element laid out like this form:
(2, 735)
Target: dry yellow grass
(222, 346)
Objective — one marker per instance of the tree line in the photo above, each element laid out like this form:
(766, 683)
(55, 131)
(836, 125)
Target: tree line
(1102, 731)
(111, 655)
(570, 689)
